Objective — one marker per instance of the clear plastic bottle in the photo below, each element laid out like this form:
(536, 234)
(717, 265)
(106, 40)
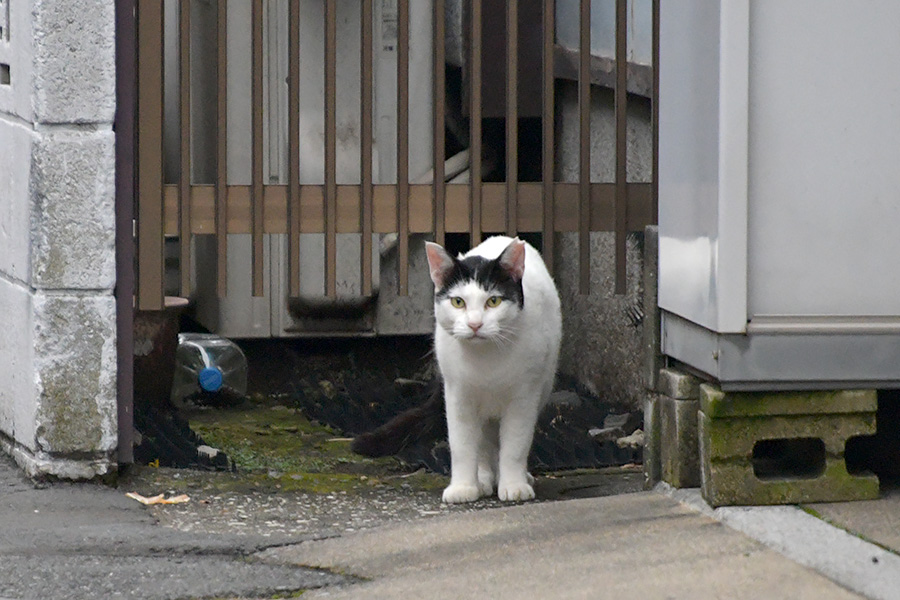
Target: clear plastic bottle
(208, 369)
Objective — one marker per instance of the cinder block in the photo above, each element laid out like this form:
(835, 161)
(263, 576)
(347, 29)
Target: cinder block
(678, 384)
(782, 448)
(73, 61)
(679, 450)
(652, 441)
(76, 406)
(73, 210)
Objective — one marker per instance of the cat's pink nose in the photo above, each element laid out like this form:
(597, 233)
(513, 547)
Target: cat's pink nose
(474, 326)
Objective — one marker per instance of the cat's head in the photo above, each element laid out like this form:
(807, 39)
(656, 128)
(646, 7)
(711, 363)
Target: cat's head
(476, 298)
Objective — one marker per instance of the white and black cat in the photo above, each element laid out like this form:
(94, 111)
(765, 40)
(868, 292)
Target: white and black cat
(497, 334)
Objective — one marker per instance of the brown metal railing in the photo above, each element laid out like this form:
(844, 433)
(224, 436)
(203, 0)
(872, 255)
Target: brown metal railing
(185, 209)
(149, 217)
(584, 151)
(221, 186)
(367, 141)
(547, 131)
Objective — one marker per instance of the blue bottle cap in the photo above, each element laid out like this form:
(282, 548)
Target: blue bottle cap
(210, 379)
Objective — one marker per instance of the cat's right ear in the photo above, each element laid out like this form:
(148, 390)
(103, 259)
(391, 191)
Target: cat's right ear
(439, 263)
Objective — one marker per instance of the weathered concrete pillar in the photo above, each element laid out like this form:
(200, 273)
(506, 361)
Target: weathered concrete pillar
(57, 233)
(671, 450)
(679, 402)
(652, 440)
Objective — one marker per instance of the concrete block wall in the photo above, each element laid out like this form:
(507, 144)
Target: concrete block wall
(57, 237)
(602, 332)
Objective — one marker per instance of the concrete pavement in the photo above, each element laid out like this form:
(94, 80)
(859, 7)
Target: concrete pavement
(88, 541)
(643, 545)
(74, 541)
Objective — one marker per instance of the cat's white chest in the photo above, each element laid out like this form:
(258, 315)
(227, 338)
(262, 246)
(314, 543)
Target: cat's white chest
(489, 377)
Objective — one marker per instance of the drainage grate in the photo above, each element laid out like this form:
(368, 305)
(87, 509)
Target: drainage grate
(562, 439)
(164, 439)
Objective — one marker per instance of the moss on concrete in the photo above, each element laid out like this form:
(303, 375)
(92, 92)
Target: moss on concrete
(736, 437)
(733, 482)
(275, 448)
(71, 386)
(731, 424)
(718, 404)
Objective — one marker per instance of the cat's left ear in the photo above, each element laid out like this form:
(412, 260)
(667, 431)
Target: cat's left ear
(512, 259)
(439, 263)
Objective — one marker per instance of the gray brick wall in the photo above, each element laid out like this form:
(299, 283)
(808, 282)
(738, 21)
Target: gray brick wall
(57, 232)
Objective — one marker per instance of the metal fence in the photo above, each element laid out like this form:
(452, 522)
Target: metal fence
(185, 209)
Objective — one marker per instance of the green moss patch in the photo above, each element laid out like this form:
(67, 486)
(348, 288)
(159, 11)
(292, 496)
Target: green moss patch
(276, 447)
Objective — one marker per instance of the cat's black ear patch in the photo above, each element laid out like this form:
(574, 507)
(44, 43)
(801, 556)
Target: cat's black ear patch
(440, 263)
(512, 259)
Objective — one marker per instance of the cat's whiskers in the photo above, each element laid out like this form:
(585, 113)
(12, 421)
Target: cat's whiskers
(505, 337)
(500, 341)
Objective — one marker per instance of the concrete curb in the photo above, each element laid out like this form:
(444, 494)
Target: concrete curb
(849, 561)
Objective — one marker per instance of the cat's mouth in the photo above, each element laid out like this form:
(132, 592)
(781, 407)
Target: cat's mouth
(473, 336)
(478, 338)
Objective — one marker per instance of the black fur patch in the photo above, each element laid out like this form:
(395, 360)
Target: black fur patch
(486, 273)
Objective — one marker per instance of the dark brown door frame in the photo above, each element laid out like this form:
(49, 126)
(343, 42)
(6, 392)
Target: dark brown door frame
(125, 132)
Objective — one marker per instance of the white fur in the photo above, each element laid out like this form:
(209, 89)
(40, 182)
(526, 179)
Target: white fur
(496, 381)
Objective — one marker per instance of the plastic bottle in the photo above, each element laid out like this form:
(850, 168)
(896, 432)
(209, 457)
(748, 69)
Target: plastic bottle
(208, 369)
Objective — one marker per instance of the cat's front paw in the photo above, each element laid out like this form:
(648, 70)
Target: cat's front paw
(515, 492)
(457, 493)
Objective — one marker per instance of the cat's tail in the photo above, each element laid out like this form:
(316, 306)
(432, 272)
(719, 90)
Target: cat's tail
(423, 423)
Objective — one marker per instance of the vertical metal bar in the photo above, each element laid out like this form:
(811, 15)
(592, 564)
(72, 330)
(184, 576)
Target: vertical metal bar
(475, 123)
(621, 106)
(512, 118)
(222, 147)
(438, 187)
(584, 171)
(184, 132)
(330, 148)
(547, 162)
(256, 189)
(294, 148)
(654, 184)
(150, 152)
(125, 135)
(366, 137)
(403, 145)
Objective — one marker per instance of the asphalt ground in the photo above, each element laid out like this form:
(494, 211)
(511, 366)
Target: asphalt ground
(592, 535)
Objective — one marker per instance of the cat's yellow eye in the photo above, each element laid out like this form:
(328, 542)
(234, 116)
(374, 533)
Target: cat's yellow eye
(493, 301)
(457, 302)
